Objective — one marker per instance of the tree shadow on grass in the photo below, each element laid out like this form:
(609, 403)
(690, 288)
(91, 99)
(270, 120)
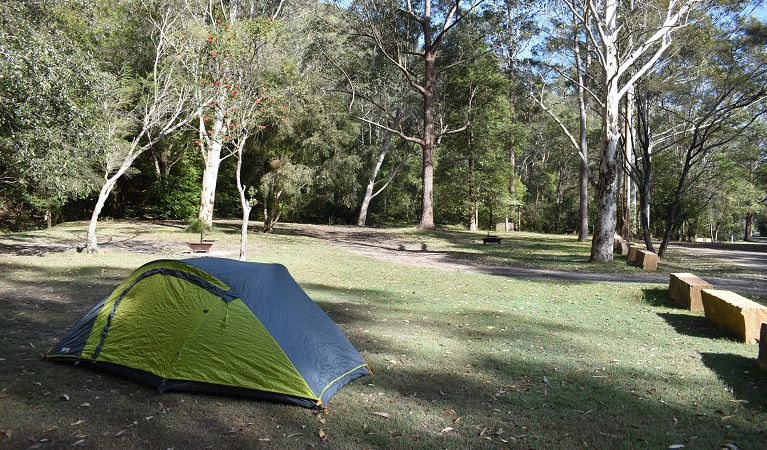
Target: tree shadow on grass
(691, 325)
(746, 380)
(658, 297)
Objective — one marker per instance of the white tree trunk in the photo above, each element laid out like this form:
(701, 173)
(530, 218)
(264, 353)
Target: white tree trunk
(604, 229)
(650, 50)
(91, 243)
(362, 218)
(244, 201)
(209, 180)
(244, 226)
(473, 219)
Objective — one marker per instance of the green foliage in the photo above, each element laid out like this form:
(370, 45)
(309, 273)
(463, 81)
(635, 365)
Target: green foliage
(281, 186)
(198, 226)
(47, 110)
(176, 196)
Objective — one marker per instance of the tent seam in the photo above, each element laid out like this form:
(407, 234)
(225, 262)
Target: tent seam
(340, 377)
(205, 284)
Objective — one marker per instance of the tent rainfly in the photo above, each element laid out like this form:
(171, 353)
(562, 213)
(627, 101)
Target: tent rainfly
(216, 325)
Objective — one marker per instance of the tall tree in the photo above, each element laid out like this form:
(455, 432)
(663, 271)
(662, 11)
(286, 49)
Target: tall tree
(621, 69)
(406, 36)
(234, 45)
(49, 115)
(165, 104)
(578, 77)
(475, 170)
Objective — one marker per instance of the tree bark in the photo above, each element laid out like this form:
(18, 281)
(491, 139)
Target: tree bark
(211, 152)
(271, 218)
(362, 218)
(748, 231)
(244, 201)
(429, 137)
(628, 185)
(91, 243)
(604, 230)
(209, 181)
(674, 209)
(583, 193)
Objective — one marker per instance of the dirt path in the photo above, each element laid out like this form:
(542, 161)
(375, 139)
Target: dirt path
(383, 245)
(378, 245)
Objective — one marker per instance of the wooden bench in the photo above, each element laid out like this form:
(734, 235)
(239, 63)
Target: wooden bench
(685, 288)
(491, 240)
(737, 316)
(762, 359)
(624, 247)
(634, 251)
(647, 260)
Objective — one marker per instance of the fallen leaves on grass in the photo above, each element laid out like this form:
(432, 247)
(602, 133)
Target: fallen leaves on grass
(487, 431)
(380, 414)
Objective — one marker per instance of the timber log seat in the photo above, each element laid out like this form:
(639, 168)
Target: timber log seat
(634, 250)
(685, 288)
(647, 260)
(737, 316)
(624, 247)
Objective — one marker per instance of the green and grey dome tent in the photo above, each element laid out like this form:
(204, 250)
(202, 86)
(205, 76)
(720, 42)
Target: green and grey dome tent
(218, 326)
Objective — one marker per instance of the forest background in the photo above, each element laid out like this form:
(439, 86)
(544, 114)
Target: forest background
(572, 116)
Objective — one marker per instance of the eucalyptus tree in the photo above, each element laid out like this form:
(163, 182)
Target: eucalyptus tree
(164, 103)
(706, 97)
(749, 158)
(568, 67)
(215, 48)
(623, 61)
(409, 35)
(232, 46)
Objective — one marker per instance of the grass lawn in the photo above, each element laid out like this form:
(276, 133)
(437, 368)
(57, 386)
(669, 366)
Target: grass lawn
(462, 360)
